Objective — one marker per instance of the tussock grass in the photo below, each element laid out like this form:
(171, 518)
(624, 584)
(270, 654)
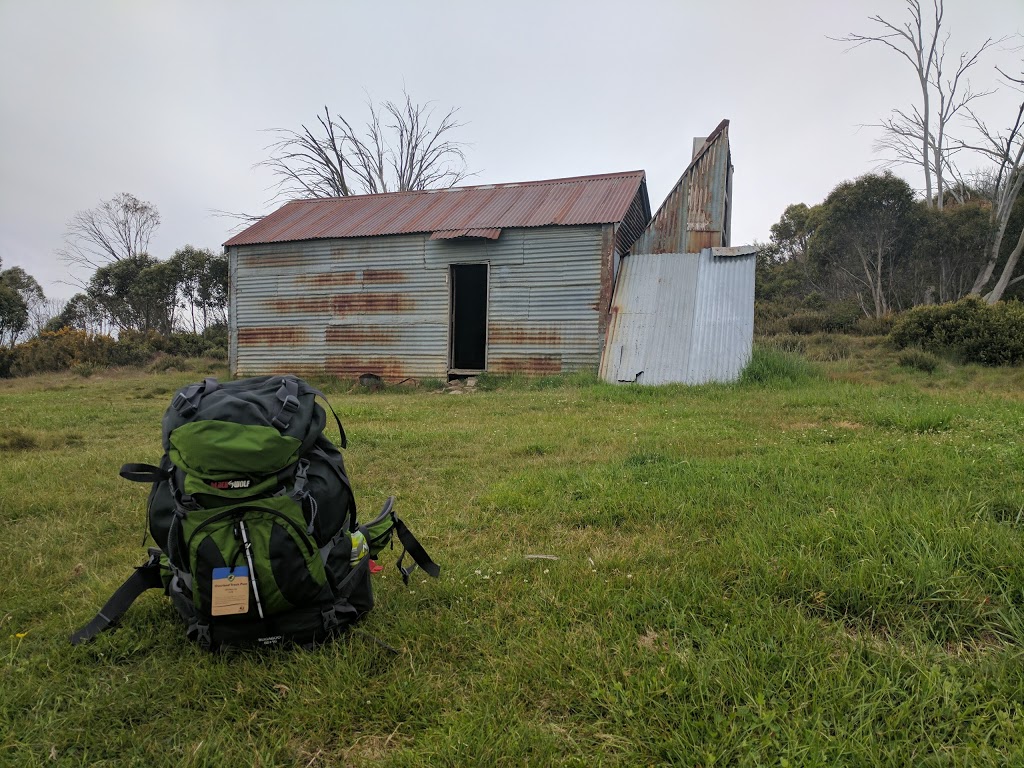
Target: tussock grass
(822, 565)
(774, 366)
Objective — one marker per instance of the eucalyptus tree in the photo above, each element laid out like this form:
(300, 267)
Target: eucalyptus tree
(404, 146)
(919, 135)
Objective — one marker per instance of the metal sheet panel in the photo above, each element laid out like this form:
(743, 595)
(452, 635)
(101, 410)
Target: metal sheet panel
(545, 313)
(723, 332)
(602, 199)
(681, 317)
(695, 214)
(381, 305)
(339, 307)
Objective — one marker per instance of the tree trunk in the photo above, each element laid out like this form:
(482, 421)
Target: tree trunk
(1001, 212)
(1008, 269)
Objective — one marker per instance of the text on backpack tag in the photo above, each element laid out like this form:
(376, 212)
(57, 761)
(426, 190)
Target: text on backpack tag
(230, 591)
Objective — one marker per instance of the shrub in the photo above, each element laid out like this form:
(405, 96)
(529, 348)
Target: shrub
(918, 359)
(971, 329)
(795, 345)
(7, 358)
(831, 348)
(874, 326)
(807, 322)
(76, 350)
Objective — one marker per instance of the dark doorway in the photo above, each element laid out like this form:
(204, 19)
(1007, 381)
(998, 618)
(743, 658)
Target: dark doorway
(469, 317)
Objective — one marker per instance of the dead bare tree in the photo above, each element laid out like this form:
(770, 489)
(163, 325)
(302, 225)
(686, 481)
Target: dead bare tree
(919, 136)
(1006, 150)
(402, 149)
(116, 229)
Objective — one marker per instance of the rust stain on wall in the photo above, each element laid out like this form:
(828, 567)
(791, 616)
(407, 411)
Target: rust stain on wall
(344, 304)
(539, 364)
(697, 240)
(505, 333)
(269, 369)
(359, 334)
(353, 366)
(329, 279)
(356, 277)
(383, 276)
(272, 335)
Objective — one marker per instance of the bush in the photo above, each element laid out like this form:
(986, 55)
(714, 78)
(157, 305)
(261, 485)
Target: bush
(919, 360)
(795, 345)
(76, 350)
(7, 357)
(874, 326)
(971, 329)
(806, 323)
(812, 315)
(831, 348)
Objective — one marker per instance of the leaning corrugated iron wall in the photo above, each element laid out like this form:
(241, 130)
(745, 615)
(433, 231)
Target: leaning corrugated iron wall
(380, 305)
(696, 214)
(681, 317)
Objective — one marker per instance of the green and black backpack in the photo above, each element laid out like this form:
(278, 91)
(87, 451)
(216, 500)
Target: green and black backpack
(255, 520)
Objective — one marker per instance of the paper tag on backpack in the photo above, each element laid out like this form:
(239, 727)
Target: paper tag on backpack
(230, 591)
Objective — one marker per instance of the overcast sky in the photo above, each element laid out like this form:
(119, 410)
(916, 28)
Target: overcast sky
(169, 101)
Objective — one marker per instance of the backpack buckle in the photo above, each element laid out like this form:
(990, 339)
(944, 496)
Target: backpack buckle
(337, 616)
(199, 632)
(185, 407)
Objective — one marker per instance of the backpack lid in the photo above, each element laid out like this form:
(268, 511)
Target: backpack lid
(254, 426)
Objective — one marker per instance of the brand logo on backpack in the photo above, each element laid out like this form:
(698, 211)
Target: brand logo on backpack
(229, 485)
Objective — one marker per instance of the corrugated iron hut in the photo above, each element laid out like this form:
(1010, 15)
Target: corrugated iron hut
(683, 308)
(503, 278)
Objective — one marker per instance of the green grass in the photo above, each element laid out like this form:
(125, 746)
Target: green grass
(820, 565)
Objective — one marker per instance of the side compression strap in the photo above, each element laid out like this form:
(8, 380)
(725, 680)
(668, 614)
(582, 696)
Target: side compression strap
(143, 473)
(288, 394)
(187, 403)
(415, 549)
(145, 577)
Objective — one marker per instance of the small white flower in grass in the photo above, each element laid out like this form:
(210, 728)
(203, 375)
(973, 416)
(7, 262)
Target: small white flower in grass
(629, 575)
(547, 570)
(487, 575)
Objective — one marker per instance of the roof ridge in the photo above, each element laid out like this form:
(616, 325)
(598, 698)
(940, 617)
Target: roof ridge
(503, 184)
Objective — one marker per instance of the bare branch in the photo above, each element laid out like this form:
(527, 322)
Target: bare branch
(401, 148)
(116, 229)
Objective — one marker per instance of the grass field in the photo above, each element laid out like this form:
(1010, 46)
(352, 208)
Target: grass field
(821, 565)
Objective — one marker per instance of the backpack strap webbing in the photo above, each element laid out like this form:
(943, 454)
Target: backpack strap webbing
(416, 551)
(146, 577)
(143, 473)
(187, 403)
(317, 393)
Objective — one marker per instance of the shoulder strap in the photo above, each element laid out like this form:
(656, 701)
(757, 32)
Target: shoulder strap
(322, 396)
(416, 551)
(146, 576)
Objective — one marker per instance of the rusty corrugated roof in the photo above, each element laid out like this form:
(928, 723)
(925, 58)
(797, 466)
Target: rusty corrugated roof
(602, 199)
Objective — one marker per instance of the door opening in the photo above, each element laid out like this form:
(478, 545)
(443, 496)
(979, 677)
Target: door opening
(469, 317)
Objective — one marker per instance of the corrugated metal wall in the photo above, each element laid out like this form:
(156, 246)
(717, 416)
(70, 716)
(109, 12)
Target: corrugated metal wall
(696, 213)
(681, 317)
(380, 305)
